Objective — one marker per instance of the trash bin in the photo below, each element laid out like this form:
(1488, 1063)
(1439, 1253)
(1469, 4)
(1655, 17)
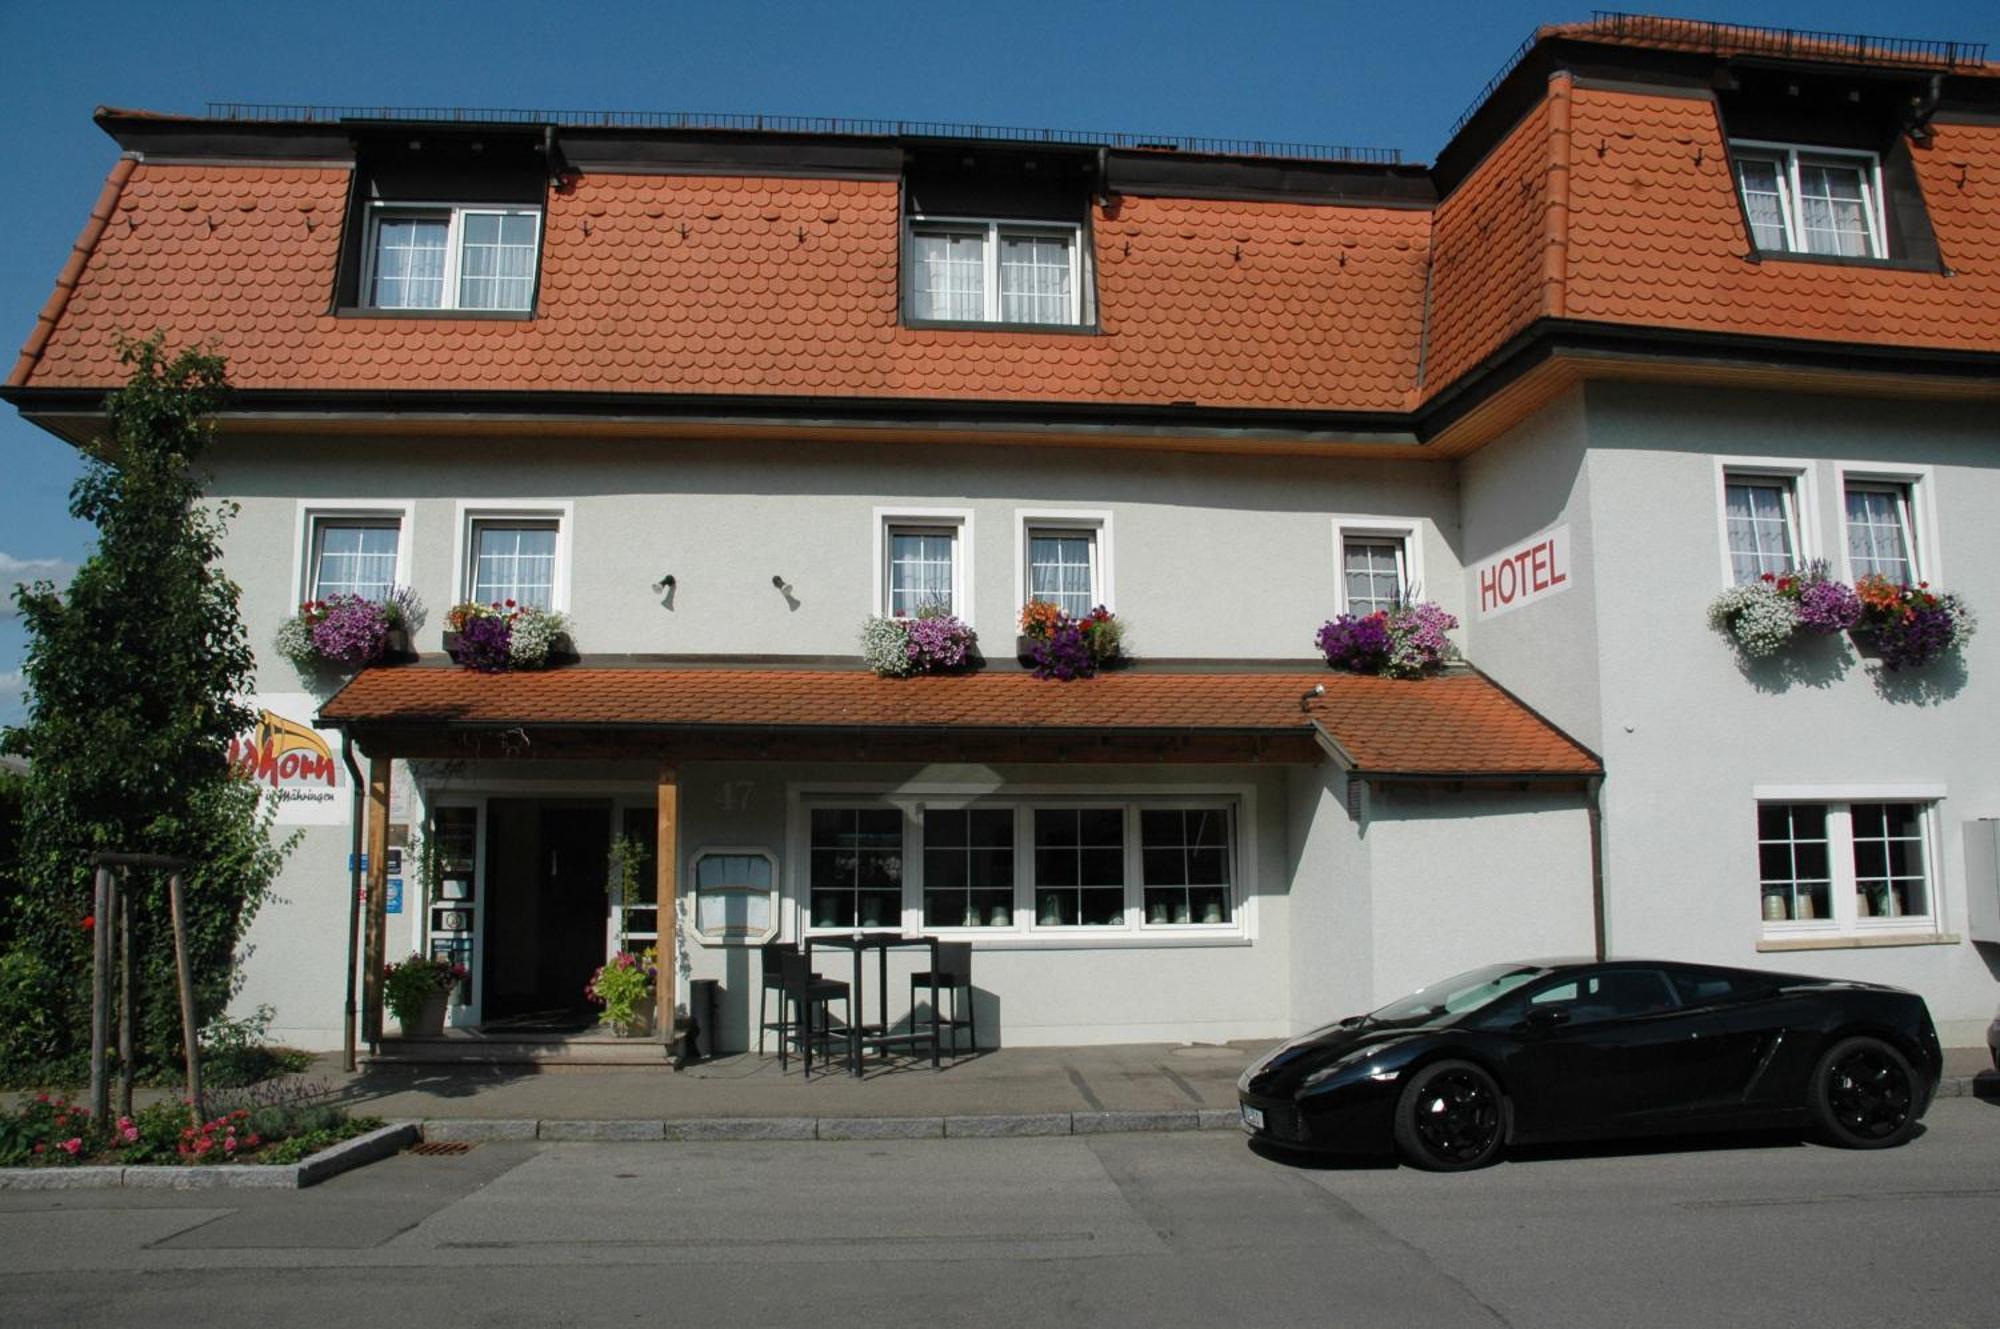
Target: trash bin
(704, 1001)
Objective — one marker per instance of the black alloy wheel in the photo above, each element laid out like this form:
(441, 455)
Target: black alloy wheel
(1450, 1117)
(1863, 1095)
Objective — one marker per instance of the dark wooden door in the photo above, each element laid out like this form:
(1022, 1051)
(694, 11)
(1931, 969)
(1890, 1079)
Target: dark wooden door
(573, 903)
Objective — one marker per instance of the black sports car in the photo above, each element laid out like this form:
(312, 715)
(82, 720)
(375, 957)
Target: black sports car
(1561, 1050)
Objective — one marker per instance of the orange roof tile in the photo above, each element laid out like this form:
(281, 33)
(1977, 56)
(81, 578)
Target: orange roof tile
(740, 285)
(1457, 723)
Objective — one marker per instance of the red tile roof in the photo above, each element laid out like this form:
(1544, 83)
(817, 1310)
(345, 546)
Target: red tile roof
(1458, 723)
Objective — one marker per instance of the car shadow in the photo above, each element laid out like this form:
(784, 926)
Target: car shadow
(1623, 1147)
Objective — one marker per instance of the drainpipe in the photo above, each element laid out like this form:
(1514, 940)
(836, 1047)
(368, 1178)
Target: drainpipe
(353, 899)
(1594, 802)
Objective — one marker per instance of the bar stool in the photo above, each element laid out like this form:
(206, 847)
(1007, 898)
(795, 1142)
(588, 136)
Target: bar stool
(805, 993)
(954, 971)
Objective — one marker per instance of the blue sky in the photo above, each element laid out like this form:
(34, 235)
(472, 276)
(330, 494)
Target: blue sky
(1327, 72)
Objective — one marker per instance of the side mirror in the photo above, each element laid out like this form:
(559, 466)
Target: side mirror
(1545, 1018)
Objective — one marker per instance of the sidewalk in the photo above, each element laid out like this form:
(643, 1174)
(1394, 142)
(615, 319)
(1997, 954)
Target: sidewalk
(1140, 1086)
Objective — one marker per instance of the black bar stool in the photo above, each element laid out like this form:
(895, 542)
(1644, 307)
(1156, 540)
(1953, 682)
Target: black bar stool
(954, 972)
(805, 994)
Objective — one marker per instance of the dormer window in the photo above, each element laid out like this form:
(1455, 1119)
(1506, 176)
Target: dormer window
(441, 256)
(969, 271)
(1803, 200)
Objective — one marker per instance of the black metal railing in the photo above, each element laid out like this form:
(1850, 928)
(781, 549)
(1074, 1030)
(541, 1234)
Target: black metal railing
(1745, 38)
(802, 124)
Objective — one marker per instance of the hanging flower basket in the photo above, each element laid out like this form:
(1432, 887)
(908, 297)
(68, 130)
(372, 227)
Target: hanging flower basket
(1406, 642)
(494, 638)
(931, 643)
(1056, 645)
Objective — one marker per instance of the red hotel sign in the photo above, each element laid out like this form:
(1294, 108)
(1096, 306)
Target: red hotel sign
(1524, 574)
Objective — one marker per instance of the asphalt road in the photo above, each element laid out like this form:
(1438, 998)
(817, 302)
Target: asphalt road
(1107, 1230)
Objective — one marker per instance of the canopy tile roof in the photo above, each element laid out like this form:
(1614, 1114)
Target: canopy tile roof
(1457, 723)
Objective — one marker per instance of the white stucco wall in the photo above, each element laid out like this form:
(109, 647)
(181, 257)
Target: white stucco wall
(1687, 733)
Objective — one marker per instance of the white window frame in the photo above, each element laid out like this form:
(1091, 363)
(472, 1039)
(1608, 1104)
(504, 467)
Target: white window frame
(956, 520)
(1025, 933)
(561, 511)
(454, 215)
(1067, 521)
(693, 891)
(1847, 923)
(1356, 526)
(995, 229)
(1803, 491)
(1919, 512)
(1791, 206)
(312, 512)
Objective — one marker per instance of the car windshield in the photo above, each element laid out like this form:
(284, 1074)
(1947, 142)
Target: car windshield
(1455, 995)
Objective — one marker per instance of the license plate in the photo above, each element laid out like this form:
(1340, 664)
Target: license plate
(1253, 1118)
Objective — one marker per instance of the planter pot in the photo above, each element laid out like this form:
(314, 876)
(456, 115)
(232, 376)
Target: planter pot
(641, 1023)
(451, 644)
(396, 647)
(1866, 644)
(430, 1020)
(1024, 651)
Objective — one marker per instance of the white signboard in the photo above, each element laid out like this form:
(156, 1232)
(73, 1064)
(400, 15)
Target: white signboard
(294, 763)
(1534, 570)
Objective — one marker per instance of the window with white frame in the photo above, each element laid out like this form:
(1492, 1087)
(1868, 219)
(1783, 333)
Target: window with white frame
(513, 558)
(1844, 866)
(1810, 201)
(972, 271)
(445, 257)
(1025, 865)
(353, 556)
(921, 569)
(1063, 568)
(969, 867)
(1880, 532)
(1373, 572)
(1761, 519)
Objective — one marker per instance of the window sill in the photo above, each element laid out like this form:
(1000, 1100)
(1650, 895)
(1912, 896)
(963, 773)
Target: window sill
(976, 325)
(1844, 261)
(1850, 942)
(477, 315)
(1110, 940)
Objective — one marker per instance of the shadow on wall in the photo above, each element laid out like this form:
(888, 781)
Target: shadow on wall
(1821, 662)
(1932, 685)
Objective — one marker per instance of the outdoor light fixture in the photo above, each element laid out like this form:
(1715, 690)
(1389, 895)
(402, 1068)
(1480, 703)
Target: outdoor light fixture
(665, 583)
(778, 580)
(1316, 690)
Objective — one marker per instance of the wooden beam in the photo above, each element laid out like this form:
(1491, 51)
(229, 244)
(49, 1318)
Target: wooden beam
(373, 955)
(666, 863)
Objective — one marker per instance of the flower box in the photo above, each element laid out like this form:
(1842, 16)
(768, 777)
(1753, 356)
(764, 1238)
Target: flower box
(1058, 646)
(495, 638)
(350, 632)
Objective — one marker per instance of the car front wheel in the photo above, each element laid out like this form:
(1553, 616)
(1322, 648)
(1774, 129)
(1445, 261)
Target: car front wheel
(1451, 1116)
(1863, 1095)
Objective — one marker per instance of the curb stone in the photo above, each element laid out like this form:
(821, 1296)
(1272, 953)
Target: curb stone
(999, 1126)
(1099, 1123)
(881, 1128)
(742, 1128)
(329, 1162)
(600, 1130)
(472, 1130)
(1219, 1119)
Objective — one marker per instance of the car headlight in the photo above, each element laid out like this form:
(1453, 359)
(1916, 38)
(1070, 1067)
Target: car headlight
(1360, 1057)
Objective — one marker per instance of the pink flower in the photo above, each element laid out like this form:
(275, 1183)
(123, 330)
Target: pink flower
(72, 1144)
(131, 1134)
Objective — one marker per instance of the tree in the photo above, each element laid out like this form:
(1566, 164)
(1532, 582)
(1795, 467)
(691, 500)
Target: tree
(136, 675)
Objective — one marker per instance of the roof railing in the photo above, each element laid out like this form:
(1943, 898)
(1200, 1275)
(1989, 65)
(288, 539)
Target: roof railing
(270, 112)
(1745, 38)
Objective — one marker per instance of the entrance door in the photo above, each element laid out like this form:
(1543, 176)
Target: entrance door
(548, 909)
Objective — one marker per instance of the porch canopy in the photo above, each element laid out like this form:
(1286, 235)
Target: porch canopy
(1456, 725)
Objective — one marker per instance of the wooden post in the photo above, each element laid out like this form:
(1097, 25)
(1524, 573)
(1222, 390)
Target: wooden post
(190, 1035)
(100, 992)
(666, 859)
(127, 999)
(373, 955)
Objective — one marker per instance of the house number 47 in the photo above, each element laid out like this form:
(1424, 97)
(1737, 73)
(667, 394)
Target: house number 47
(734, 795)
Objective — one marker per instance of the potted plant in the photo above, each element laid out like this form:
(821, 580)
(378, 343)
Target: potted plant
(1908, 627)
(1057, 645)
(623, 986)
(350, 632)
(493, 638)
(1763, 616)
(417, 992)
(934, 642)
(1405, 642)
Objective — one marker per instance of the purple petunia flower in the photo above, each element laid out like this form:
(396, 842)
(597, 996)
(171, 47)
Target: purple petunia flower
(484, 642)
(350, 630)
(1827, 607)
(1356, 642)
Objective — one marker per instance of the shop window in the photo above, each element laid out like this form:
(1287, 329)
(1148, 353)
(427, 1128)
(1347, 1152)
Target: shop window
(1079, 867)
(969, 867)
(856, 868)
(1845, 866)
(1804, 200)
(1184, 859)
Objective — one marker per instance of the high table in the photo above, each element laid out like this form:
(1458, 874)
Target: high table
(878, 1035)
